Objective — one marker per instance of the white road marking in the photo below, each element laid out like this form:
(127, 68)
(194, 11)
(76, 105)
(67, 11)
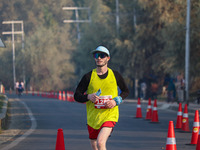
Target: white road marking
(27, 133)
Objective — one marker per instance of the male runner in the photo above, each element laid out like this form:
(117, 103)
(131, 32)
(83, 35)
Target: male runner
(102, 98)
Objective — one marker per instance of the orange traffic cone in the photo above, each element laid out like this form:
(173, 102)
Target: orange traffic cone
(64, 96)
(179, 117)
(60, 144)
(139, 110)
(198, 142)
(195, 130)
(185, 122)
(171, 140)
(155, 112)
(38, 93)
(52, 94)
(60, 96)
(45, 94)
(72, 96)
(149, 111)
(68, 97)
(33, 93)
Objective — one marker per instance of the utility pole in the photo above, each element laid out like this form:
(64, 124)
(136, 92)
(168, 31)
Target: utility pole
(13, 32)
(24, 76)
(77, 20)
(117, 16)
(187, 52)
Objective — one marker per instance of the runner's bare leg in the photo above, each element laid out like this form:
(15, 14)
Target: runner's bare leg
(94, 144)
(103, 137)
(100, 143)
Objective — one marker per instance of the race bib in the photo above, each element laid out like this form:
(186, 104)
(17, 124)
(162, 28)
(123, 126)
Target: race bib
(100, 104)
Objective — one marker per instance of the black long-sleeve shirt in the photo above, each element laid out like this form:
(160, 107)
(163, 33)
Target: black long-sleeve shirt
(79, 95)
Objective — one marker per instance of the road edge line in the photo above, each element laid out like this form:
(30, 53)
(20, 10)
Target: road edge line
(27, 133)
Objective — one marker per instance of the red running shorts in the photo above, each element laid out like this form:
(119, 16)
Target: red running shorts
(93, 133)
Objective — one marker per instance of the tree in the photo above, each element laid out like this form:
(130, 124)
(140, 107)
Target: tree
(51, 64)
(48, 45)
(151, 39)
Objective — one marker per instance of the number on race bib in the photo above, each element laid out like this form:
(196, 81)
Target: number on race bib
(100, 104)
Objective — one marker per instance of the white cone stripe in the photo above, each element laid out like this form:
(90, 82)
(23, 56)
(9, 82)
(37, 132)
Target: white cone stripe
(148, 106)
(138, 106)
(154, 108)
(185, 115)
(196, 124)
(179, 113)
(171, 141)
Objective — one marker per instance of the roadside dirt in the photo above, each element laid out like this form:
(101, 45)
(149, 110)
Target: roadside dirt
(18, 122)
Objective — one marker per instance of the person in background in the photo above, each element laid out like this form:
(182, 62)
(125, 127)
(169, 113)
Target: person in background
(102, 98)
(154, 90)
(16, 86)
(143, 90)
(180, 87)
(171, 91)
(22, 83)
(165, 84)
(20, 88)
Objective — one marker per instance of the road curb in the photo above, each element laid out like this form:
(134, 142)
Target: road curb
(164, 105)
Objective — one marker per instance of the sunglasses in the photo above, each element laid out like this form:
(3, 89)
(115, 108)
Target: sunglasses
(101, 55)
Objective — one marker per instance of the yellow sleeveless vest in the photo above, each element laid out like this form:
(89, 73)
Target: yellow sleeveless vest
(96, 117)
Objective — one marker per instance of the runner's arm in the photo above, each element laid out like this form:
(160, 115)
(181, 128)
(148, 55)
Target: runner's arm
(79, 94)
(122, 85)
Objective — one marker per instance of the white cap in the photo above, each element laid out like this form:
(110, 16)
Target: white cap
(102, 49)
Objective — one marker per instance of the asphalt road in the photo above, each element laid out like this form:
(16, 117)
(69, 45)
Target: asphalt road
(37, 127)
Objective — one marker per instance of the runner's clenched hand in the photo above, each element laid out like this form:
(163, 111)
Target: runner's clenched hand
(110, 104)
(93, 97)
